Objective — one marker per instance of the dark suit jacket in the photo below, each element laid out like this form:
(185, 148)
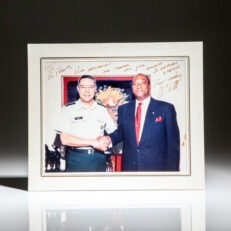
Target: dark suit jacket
(159, 144)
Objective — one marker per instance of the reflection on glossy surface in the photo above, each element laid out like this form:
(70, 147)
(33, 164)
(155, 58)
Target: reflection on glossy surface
(15, 214)
(117, 210)
(123, 219)
(101, 210)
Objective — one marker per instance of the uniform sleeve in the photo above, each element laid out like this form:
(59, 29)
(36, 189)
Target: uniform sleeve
(110, 125)
(63, 123)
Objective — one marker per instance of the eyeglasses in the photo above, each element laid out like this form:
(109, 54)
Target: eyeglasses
(85, 87)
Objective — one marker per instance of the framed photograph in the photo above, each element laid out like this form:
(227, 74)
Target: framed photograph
(80, 93)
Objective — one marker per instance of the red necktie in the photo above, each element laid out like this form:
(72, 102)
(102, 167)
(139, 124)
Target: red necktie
(137, 122)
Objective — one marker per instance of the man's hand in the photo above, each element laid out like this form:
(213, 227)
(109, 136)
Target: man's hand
(102, 143)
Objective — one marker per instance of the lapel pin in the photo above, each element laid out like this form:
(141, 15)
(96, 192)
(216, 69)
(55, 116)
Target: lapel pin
(153, 112)
(78, 118)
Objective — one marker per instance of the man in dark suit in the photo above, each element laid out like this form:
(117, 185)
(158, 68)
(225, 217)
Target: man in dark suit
(149, 131)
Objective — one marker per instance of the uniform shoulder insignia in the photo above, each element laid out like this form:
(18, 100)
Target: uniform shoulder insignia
(69, 104)
(100, 104)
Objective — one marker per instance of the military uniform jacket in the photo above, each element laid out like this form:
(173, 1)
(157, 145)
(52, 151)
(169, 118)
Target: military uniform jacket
(78, 120)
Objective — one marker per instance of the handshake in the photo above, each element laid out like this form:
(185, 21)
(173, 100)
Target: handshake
(101, 143)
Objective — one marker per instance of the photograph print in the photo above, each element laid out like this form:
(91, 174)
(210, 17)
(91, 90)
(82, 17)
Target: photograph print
(115, 115)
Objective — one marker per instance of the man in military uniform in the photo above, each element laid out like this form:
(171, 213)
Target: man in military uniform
(80, 124)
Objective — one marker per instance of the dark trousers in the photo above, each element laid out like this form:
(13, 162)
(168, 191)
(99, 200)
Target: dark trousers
(83, 162)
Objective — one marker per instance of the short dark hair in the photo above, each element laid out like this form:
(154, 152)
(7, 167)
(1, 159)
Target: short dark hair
(87, 77)
(146, 76)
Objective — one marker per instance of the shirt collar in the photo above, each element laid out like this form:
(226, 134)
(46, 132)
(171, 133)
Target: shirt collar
(144, 102)
(80, 105)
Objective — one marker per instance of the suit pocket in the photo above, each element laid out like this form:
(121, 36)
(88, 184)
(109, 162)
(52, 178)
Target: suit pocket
(158, 130)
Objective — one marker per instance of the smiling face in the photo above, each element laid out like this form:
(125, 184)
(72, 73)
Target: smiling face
(86, 89)
(141, 87)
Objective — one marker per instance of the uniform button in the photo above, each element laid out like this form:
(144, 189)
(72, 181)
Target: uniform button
(138, 149)
(134, 163)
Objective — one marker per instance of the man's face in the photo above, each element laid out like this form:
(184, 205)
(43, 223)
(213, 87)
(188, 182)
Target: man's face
(86, 89)
(140, 87)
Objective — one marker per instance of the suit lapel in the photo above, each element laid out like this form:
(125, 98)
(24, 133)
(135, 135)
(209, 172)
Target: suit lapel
(148, 120)
(131, 116)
